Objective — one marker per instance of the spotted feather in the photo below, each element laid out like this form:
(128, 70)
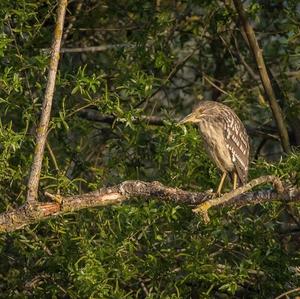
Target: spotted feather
(224, 136)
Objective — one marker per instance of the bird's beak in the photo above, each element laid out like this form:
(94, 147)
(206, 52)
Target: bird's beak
(191, 118)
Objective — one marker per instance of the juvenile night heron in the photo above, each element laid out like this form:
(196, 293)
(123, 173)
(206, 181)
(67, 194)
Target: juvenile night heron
(225, 139)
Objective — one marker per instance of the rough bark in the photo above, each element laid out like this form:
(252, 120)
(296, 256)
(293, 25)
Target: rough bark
(41, 133)
(38, 211)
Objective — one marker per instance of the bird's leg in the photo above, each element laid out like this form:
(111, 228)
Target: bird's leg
(221, 183)
(235, 182)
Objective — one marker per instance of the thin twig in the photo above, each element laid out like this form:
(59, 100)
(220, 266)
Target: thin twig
(216, 86)
(41, 135)
(178, 66)
(52, 157)
(244, 62)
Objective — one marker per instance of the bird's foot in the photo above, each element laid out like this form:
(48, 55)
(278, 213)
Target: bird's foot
(218, 194)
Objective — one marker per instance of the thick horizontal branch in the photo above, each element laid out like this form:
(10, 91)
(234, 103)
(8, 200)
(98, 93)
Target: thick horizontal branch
(28, 214)
(94, 115)
(153, 120)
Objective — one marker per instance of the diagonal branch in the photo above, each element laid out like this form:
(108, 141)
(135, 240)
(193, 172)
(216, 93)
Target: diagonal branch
(41, 134)
(204, 207)
(38, 211)
(178, 66)
(263, 73)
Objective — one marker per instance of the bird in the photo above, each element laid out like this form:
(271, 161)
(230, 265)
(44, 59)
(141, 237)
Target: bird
(225, 139)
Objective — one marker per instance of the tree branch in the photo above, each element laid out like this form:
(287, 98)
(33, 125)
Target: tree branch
(94, 115)
(41, 134)
(263, 73)
(154, 120)
(38, 211)
(285, 294)
(204, 207)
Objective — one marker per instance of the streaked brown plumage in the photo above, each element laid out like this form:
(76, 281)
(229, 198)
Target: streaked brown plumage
(225, 139)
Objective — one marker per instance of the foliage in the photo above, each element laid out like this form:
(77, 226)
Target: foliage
(144, 249)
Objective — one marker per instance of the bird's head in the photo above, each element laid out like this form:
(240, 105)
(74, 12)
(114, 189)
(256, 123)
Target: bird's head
(204, 108)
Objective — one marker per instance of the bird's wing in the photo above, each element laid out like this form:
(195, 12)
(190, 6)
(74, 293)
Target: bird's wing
(237, 142)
